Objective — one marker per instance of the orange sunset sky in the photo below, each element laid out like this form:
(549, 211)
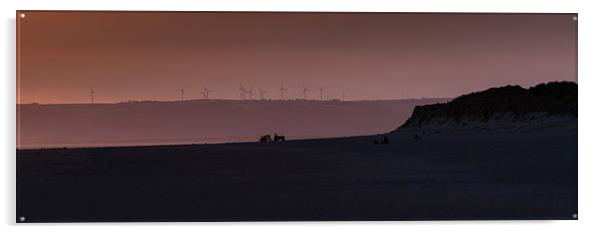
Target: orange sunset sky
(148, 55)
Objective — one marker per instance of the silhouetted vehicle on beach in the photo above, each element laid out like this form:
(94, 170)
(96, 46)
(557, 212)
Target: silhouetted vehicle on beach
(268, 138)
(278, 138)
(265, 138)
(384, 141)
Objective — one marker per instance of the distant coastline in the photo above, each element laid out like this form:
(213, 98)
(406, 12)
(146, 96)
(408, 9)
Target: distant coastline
(204, 121)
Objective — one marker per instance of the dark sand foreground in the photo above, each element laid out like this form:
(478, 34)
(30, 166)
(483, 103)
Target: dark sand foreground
(449, 175)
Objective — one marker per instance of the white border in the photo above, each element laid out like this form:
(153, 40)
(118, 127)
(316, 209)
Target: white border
(589, 115)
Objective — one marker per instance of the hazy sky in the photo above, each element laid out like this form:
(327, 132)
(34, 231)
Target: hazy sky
(148, 55)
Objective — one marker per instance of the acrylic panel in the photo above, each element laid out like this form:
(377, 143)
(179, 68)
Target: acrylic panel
(295, 116)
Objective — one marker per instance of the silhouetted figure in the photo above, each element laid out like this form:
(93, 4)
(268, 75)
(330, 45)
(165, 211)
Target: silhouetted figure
(385, 140)
(265, 138)
(419, 137)
(278, 138)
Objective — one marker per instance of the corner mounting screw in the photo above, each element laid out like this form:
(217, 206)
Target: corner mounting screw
(574, 18)
(22, 218)
(22, 15)
(574, 216)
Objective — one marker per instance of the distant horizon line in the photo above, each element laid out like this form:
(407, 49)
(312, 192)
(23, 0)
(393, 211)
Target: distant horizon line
(376, 98)
(229, 100)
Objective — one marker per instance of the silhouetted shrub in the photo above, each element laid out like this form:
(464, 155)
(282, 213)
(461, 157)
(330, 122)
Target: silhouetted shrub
(555, 98)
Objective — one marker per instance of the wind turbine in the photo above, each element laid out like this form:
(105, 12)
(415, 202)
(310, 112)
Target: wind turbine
(305, 90)
(92, 92)
(206, 92)
(282, 90)
(250, 92)
(261, 93)
(321, 92)
(181, 93)
(242, 92)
